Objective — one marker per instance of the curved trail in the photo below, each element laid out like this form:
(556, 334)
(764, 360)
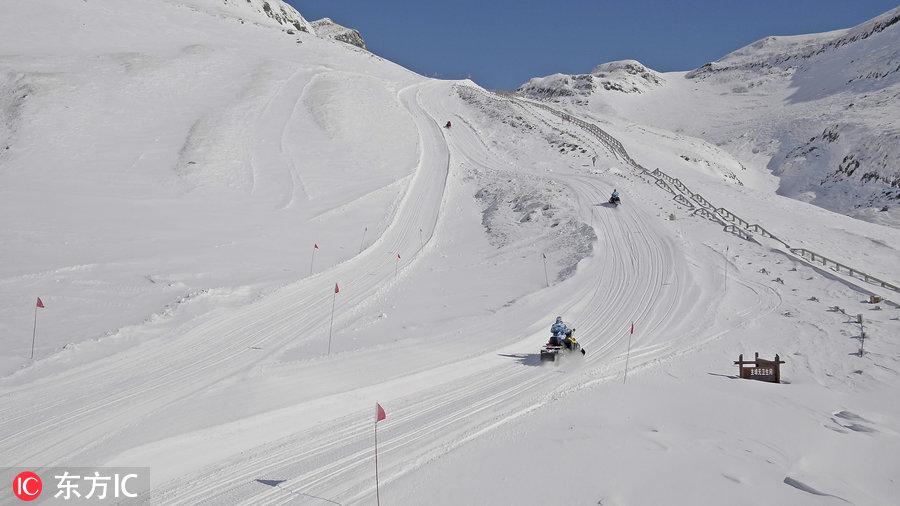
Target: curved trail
(633, 277)
(102, 399)
(637, 273)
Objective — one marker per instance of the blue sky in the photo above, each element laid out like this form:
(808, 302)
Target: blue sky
(502, 43)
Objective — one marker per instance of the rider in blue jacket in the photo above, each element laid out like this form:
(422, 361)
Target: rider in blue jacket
(558, 330)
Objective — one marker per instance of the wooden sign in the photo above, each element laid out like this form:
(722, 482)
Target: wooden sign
(760, 369)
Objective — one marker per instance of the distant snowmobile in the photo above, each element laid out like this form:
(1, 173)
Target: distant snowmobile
(558, 346)
(614, 199)
(447, 125)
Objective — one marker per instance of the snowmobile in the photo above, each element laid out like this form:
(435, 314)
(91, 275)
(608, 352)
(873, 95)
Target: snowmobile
(557, 347)
(614, 200)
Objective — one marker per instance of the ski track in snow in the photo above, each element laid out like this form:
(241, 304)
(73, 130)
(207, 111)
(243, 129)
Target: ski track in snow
(639, 276)
(443, 389)
(328, 462)
(201, 361)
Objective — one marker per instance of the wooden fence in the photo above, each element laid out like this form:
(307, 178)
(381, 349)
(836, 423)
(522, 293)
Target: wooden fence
(733, 224)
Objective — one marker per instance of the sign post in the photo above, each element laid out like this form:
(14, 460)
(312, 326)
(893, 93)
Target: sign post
(760, 369)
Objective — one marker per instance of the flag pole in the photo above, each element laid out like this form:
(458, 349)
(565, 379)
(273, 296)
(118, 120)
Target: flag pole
(725, 279)
(628, 353)
(313, 260)
(331, 325)
(377, 493)
(546, 278)
(362, 242)
(379, 416)
(33, 331)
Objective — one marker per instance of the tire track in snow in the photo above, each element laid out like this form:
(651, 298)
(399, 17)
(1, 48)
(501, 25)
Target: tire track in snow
(500, 394)
(333, 461)
(201, 361)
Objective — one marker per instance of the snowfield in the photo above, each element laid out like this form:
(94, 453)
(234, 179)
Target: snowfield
(187, 186)
(818, 111)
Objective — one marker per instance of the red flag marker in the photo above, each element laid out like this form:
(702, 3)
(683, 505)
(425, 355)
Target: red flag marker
(312, 261)
(337, 290)
(38, 304)
(628, 353)
(379, 416)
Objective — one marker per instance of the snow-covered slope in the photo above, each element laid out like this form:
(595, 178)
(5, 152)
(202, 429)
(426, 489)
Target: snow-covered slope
(264, 12)
(819, 112)
(244, 238)
(118, 150)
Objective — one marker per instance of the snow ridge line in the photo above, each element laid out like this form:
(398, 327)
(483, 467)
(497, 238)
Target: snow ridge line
(737, 225)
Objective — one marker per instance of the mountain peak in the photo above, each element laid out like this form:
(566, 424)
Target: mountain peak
(790, 51)
(630, 72)
(328, 29)
(264, 12)
(623, 76)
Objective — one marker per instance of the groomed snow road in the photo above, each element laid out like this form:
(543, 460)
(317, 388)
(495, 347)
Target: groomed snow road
(317, 449)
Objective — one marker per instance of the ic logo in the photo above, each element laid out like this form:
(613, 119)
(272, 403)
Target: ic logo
(27, 486)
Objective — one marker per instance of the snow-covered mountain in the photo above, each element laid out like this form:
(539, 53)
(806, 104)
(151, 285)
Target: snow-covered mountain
(245, 231)
(265, 12)
(626, 76)
(275, 13)
(818, 111)
(325, 27)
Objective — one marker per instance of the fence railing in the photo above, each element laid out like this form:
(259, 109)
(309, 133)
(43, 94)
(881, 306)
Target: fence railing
(733, 223)
(665, 186)
(674, 181)
(730, 216)
(609, 141)
(684, 201)
(702, 201)
(709, 215)
(839, 267)
(738, 231)
(765, 233)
